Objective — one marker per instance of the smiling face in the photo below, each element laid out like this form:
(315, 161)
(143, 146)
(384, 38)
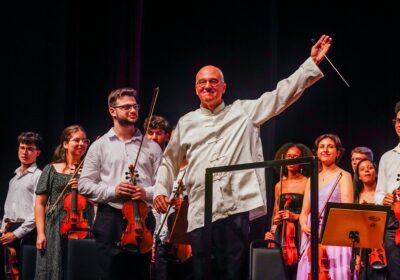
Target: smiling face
(125, 111)
(210, 87)
(366, 172)
(293, 152)
(327, 152)
(77, 144)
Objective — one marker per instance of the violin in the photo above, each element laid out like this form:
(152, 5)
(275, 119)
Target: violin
(377, 258)
(323, 263)
(136, 236)
(74, 225)
(289, 250)
(396, 210)
(11, 260)
(177, 226)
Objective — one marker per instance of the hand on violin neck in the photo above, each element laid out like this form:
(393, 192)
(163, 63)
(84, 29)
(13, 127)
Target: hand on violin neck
(161, 203)
(73, 183)
(139, 193)
(285, 214)
(125, 189)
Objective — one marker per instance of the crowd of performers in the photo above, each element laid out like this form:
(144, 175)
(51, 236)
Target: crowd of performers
(130, 191)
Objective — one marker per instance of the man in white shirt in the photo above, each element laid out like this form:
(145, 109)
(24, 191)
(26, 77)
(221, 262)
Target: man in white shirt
(218, 135)
(389, 182)
(104, 180)
(18, 222)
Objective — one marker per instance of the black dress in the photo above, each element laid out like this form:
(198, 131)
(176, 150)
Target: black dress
(294, 207)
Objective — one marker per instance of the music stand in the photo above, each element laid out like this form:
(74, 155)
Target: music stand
(355, 226)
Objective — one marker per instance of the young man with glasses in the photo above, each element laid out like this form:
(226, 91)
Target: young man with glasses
(218, 135)
(386, 191)
(18, 222)
(105, 179)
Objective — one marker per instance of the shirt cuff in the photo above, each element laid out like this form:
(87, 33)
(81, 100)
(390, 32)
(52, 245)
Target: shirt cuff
(149, 194)
(19, 233)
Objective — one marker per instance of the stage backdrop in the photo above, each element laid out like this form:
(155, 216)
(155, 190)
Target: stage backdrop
(61, 58)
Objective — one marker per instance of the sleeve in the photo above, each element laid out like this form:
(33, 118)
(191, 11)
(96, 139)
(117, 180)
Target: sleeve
(170, 164)
(29, 224)
(286, 93)
(381, 187)
(45, 181)
(90, 183)
(156, 164)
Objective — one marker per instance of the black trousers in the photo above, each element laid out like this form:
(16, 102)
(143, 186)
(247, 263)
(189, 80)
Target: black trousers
(230, 248)
(168, 266)
(392, 250)
(114, 262)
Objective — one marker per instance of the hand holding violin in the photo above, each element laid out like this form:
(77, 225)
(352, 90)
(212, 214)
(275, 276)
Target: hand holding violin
(125, 189)
(288, 215)
(7, 238)
(161, 203)
(388, 199)
(73, 183)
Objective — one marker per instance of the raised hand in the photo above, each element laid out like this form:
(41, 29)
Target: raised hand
(321, 48)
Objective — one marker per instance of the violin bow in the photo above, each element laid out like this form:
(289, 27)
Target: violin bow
(152, 106)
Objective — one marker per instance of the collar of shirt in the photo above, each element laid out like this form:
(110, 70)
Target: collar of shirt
(397, 149)
(31, 169)
(218, 109)
(136, 137)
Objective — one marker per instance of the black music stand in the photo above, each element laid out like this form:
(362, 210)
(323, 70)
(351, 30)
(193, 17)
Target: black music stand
(355, 226)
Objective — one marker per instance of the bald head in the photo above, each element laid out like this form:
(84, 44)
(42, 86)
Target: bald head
(210, 69)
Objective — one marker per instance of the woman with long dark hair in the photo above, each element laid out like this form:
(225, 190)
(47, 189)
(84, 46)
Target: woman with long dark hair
(289, 191)
(55, 177)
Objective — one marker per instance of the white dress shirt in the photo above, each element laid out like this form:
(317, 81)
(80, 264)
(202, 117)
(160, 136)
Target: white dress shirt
(107, 162)
(229, 135)
(388, 174)
(20, 201)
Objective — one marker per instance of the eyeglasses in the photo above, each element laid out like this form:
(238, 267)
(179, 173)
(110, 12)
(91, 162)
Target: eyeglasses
(396, 121)
(79, 140)
(27, 149)
(289, 156)
(128, 107)
(203, 82)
